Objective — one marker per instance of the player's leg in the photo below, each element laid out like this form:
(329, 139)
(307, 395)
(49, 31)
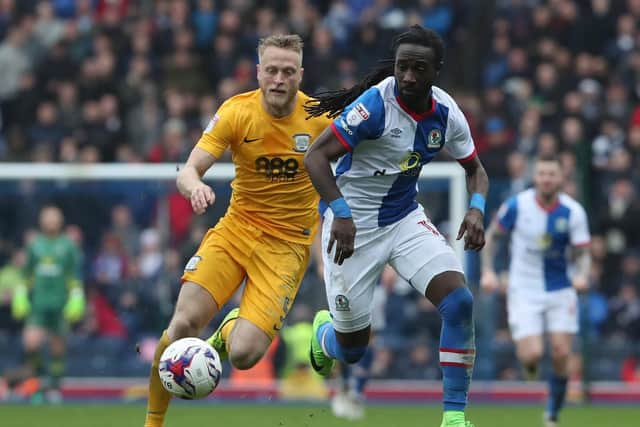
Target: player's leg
(357, 381)
(57, 329)
(207, 286)
(529, 351)
(57, 347)
(526, 322)
(34, 335)
(560, 353)
(274, 273)
(343, 333)
(422, 256)
(340, 400)
(194, 309)
(349, 400)
(562, 321)
(448, 292)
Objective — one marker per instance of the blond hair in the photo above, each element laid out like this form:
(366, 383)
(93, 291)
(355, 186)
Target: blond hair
(291, 42)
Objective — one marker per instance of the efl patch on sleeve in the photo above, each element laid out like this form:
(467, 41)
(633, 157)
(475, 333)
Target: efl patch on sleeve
(212, 123)
(192, 265)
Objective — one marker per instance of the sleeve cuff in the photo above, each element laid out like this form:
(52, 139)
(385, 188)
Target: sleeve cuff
(211, 146)
(341, 139)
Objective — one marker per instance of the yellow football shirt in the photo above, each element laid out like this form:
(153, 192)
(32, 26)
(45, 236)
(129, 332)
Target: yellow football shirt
(271, 188)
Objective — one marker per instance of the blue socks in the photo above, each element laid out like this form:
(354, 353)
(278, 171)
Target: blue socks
(361, 371)
(332, 348)
(457, 347)
(557, 393)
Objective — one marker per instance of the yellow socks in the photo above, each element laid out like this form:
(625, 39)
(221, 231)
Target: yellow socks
(158, 397)
(226, 332)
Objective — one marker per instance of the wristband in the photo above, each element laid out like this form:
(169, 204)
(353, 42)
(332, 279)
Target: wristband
(340, 208)
(477, 202)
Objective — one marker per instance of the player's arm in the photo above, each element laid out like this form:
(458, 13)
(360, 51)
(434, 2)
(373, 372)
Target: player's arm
(503, 223)
(580, 242)
(363, 119)
(316, 253)
(317, 162)
(20, 305)
(215, 139)
(189, 181)
(582, 256)
(489, 279)
(459, 143)
(75, 307)
(473, 223)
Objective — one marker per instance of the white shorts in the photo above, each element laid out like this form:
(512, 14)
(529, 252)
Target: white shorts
(533, 313)
(407, 245)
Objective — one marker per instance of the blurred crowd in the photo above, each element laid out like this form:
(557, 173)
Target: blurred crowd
(126, 81)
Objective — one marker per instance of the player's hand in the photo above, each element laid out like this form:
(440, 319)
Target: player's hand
(472, 228)
(580, 284)
(202, 197)
(20, 305)
(75, 306)
(343, 234)
(489, 281)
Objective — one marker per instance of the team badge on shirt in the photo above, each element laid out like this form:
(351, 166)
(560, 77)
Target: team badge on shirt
(562, 225)
(435, 139)
(301, 142)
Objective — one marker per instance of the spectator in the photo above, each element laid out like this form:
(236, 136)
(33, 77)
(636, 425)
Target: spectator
(14, 61)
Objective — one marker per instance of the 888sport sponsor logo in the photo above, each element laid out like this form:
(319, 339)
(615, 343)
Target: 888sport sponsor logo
(277, 169)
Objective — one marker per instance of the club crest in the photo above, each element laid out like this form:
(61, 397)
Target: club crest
(435, 139)
(301, 142)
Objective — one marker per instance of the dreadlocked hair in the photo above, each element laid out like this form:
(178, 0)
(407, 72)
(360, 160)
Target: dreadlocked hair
(332, 102)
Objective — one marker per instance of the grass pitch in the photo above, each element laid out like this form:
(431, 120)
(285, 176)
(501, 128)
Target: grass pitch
(279, 415)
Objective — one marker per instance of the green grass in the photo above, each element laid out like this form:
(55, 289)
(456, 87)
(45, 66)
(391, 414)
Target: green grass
(276, 415)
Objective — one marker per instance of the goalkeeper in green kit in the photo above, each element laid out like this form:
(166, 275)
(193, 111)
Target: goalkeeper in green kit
(50, 298)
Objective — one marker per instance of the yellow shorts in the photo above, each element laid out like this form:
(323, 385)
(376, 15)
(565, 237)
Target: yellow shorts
(233, 251)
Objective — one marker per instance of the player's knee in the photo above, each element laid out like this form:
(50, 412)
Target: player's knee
(183, 326)
(244, 356)
(458, 305)
(530, 358)
(32, 341)
(353, 354)
(560, 352)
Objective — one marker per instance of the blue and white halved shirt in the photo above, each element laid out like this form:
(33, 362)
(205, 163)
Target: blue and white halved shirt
(540, 240)
(388, 145)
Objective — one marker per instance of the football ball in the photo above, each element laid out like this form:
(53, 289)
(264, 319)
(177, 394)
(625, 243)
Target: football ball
(190, 368)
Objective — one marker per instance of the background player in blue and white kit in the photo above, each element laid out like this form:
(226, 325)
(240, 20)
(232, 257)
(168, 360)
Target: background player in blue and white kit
(544, 224)
(387, 128)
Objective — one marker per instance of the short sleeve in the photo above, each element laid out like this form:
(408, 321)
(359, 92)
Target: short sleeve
(362, 119)
(459, 142)
(507, 214)
(219, 133)
(579, 227)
